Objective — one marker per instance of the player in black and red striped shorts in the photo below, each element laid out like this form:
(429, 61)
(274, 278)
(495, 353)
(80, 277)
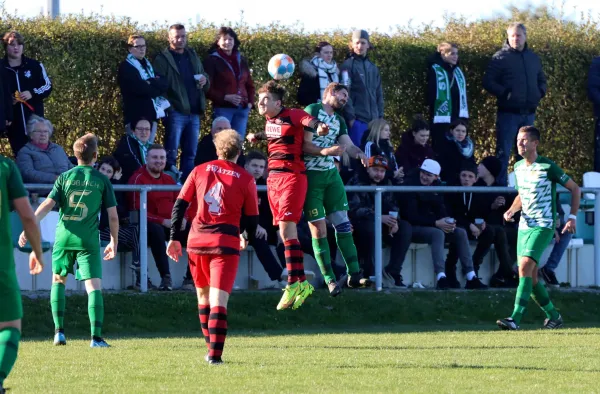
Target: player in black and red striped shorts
(222, 190)
(286, 184)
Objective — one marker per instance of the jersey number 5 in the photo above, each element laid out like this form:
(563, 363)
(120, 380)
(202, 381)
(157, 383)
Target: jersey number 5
(214, 199)
(77, 195)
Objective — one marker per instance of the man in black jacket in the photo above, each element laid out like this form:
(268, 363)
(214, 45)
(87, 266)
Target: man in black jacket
(26, 82)
(594, 95)
(515, 77)
(426, 212)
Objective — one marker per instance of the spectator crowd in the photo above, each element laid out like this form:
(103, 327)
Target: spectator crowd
(436, 150)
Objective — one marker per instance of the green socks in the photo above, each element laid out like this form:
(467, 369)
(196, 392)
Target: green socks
(57, 304)
(345, 244)
(522, 298)
(9, 346)
(540, 296)
(322, 255)
(96, 312)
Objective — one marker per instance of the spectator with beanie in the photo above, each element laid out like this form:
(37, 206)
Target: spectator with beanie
(396, 232)
(470, 211)
(366, 93)
(515, 77)
(431, 224)
(132, 148)
(457, 149)
(141, 88)
(446, 92)
(377, 143)
(187, 84)
(316, 74)
(26, 82)
(414, 147)
(232, 89)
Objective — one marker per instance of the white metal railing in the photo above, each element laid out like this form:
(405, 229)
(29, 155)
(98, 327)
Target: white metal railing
(144, 189)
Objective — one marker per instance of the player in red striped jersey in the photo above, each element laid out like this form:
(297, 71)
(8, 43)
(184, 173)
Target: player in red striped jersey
(286, 184)
(222, 190)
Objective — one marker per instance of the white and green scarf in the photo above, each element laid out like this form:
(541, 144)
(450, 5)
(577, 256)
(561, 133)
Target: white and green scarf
(442, 110)
(160, 103)
(327, 72)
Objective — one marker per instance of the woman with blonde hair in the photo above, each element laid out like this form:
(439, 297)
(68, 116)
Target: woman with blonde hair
(446, 92)
(377, 143)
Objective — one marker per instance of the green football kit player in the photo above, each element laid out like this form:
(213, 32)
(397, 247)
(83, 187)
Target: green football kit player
(79, 194)
(326, 195)
(536, 179)
(12, 192)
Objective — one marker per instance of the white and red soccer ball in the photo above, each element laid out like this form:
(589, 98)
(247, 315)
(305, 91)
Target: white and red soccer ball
(281, 66)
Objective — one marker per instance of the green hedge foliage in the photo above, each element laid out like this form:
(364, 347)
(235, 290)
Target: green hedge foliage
(82, 54)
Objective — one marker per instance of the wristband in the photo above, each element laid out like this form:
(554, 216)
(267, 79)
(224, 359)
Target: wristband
(571, 216)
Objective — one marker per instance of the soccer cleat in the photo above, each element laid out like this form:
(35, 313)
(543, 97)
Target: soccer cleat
(475, 284)
(334, 289)
(206, 358)
(442, 284)
(289, 296)
(306, 289)
(60, 339)
(552, 324)
(99, 343)
(215, 361)
(507, 324)
(356, 281)
(549, 277)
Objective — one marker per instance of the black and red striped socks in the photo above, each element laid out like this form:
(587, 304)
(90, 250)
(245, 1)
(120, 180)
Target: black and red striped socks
(203, 313)
(217, 329)
(294, 261)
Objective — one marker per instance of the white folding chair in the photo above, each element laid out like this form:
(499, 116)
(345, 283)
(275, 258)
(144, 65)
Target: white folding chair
(591, 179)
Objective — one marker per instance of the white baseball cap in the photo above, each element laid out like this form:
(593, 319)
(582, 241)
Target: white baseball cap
(431, 166)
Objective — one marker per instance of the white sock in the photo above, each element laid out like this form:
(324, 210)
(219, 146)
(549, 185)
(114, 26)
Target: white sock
(470, 275)
(441, 275)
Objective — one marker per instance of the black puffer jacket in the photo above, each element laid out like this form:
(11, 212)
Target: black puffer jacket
(518, 74)
(362, 205)
(421, 209)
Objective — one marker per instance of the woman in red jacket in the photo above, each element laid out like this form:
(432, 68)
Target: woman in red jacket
(232, 89)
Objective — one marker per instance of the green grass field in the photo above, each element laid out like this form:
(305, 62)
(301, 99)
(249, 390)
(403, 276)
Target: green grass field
(362, 342)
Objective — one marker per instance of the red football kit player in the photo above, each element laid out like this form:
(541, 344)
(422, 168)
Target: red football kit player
(286, 183)
(222, 190)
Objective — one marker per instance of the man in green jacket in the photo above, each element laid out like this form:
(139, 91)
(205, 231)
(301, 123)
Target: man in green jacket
(188, 84)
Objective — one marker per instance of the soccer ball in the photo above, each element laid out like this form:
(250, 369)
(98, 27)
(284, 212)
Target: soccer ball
(281, 66)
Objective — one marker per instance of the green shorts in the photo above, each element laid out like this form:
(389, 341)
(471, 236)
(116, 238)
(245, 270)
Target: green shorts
(326, 194)
(12, 308)
(533, 242)
(89, 263)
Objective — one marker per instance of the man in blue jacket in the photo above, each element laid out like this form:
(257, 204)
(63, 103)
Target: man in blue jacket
(594, 95)
(515, 77)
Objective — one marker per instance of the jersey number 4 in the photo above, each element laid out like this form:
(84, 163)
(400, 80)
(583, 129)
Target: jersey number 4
(77, 195)
(214, 199)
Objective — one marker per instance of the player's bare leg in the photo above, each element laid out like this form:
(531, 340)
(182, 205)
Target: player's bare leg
(298, 288)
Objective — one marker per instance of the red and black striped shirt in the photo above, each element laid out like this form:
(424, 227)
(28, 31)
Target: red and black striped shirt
(285, 134)
(222, 190)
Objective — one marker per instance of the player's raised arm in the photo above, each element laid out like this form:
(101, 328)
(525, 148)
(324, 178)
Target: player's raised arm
(353, 150)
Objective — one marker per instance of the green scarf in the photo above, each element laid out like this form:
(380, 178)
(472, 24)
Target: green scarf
(143, 148)
(442, 110)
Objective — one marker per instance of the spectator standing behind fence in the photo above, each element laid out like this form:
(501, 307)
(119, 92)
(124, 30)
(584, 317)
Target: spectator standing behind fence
(432, 225)
(377, 143)
(187, 84)
(316, 74)
(594, 95)
(6, 111)
(132, 148)
(446, 92)
(27, 83)
(366, 93)
(456, 149)
(232, 89)
(142, 90)
(396, 233)
(515, 77)
(40, 160)
(414, 147)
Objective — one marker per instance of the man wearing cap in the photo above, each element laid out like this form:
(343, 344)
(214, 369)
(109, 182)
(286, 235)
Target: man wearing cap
(364, 81)
(396, 232)
(470, 211)
(426, 212)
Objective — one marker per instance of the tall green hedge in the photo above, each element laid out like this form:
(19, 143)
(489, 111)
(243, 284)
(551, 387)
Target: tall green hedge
(82, 54)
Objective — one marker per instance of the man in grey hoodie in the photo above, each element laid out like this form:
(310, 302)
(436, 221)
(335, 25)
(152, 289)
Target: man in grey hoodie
(366, 94)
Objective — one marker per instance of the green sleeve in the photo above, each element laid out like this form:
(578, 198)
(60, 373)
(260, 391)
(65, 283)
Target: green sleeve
(108, 195)
(57, 191)
(15, 183)
(556, 174)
